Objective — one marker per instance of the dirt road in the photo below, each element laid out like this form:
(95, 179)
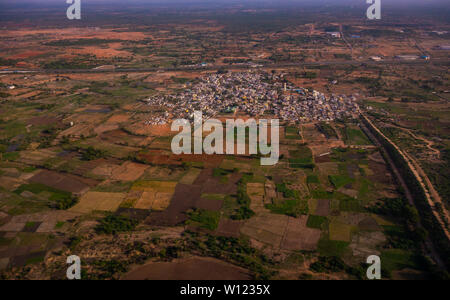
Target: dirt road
(430, 195)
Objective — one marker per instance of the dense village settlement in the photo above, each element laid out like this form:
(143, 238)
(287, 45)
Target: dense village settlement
(253, 93)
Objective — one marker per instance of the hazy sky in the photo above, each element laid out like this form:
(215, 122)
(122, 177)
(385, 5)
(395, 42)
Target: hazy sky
(32, 9)
(342, 2)
(437, 5)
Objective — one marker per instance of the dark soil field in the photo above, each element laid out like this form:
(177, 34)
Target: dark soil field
(209, 204)
(229, 228)
(323, 207)
(39, 121)
(299, 237)
(195, 268)
(322, 159)
(72, 183)
(88, 166)
(380, 173)
(184, 199)
(212, 185)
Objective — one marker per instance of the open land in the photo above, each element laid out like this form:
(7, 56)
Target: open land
(86, 165)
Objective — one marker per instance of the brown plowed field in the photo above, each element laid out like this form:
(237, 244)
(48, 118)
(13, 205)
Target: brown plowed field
(195, 268)
(72, 184)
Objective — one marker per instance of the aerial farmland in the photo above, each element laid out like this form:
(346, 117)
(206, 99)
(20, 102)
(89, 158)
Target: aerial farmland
(88, 167)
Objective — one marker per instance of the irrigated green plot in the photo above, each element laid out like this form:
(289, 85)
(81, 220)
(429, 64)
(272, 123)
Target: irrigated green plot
(312, 179)
(292, 204)
(320, 193)
(327, 247)
(290, 207)
(340, 180)
(347, 203)
(354, 136)
(317, 222)
(396, 259)
(40, 189)
(301, 158)
(292, 133)
(113, 150)
(205, 219)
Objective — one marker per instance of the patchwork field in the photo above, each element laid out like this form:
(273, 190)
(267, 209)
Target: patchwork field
(155, 195)
(86, 165)
(98, 201)
(128, 171)
(69, 183)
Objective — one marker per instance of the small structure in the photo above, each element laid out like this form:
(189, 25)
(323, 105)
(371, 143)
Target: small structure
(440, 32)
(407, 57)
(335, 34)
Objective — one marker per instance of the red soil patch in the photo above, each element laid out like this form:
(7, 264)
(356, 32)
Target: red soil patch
(115, 119)
(160, 130)
(157, 157)
(151, 130)
(101, 52)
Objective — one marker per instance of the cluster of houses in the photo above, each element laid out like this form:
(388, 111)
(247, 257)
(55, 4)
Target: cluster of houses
(254, 93)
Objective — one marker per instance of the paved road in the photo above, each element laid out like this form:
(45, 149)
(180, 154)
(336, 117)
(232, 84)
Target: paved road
(216, 67)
